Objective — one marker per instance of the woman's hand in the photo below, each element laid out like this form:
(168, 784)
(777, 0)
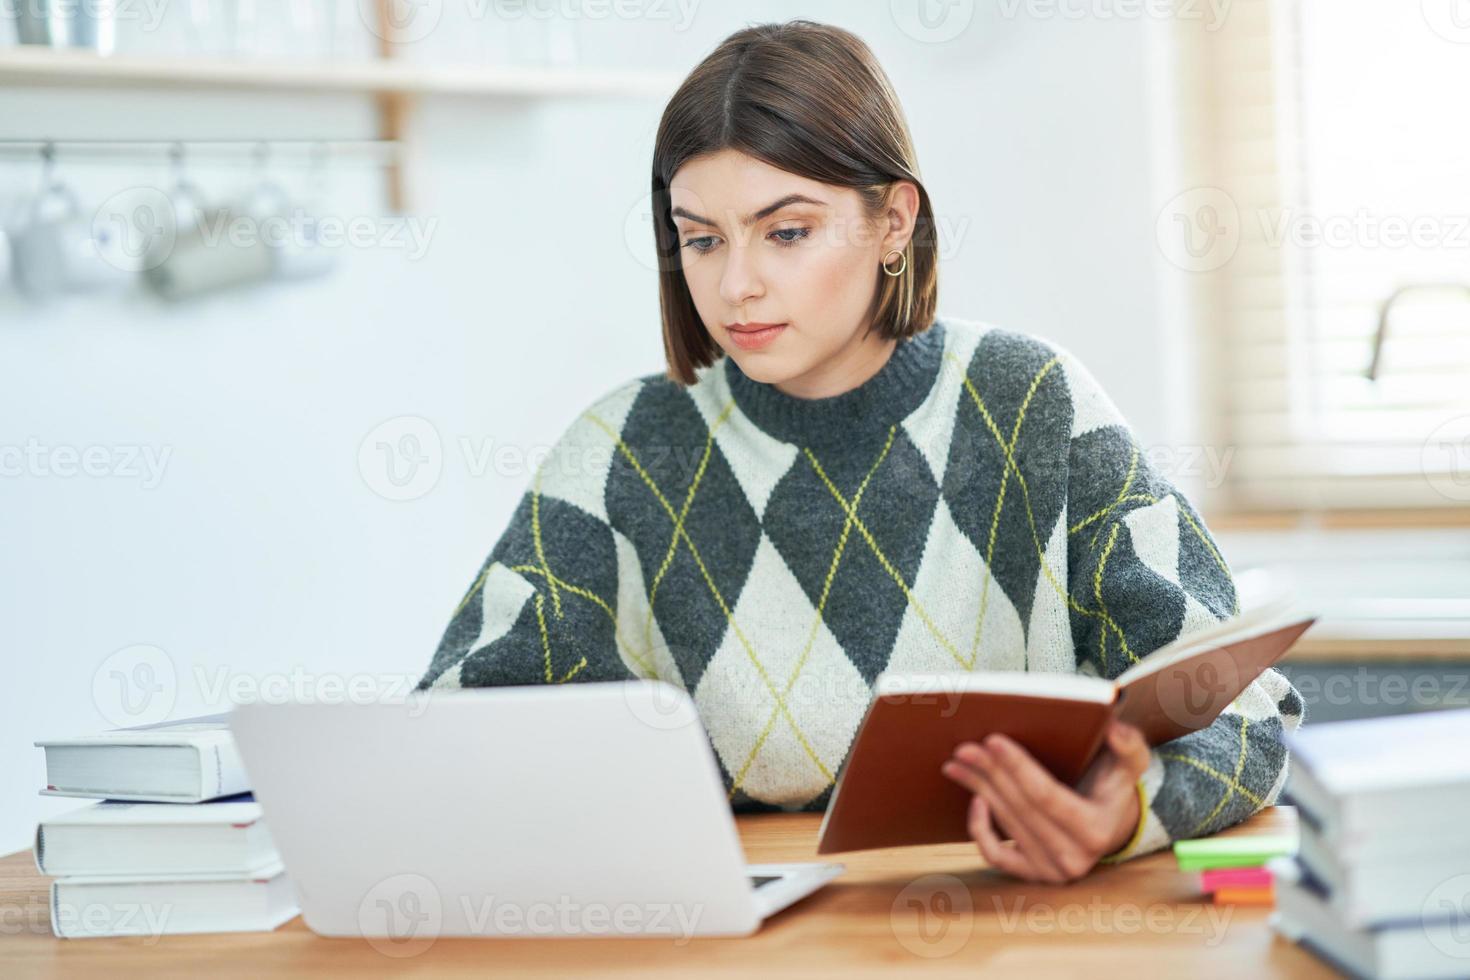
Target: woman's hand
(1057, 833)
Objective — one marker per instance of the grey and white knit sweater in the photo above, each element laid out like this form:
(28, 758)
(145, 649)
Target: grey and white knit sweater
(977, 504)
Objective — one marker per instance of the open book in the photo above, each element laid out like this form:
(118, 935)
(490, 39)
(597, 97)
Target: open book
(891, 792)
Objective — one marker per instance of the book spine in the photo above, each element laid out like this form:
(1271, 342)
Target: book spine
(56, 927)
(221, 770)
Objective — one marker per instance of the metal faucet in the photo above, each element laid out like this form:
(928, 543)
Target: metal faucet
(1387, 306)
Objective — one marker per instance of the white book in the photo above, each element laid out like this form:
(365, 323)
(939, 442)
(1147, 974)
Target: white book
(1398, 775)
(1390, 877)
(159, 905)
(184, 761)
(1423, 948)
(126, 838)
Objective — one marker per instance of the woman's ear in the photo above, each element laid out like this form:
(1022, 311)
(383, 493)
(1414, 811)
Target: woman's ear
(900, 213)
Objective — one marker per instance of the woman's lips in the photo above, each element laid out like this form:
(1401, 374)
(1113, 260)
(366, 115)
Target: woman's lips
(754, 339)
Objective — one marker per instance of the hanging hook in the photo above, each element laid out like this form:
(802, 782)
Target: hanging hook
(176, 160)
(316, 178)
(48, 164)
(261, 154)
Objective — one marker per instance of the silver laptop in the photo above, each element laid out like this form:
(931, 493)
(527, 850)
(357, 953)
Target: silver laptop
(577, 810)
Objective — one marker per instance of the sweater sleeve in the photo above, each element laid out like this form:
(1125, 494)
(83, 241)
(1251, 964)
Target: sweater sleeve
(1142, 571)
(544, 606)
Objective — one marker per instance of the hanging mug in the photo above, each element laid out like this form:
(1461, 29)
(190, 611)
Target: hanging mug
(214, 249)
(59, 250)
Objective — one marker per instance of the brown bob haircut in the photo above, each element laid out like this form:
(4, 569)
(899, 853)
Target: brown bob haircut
(810, 99)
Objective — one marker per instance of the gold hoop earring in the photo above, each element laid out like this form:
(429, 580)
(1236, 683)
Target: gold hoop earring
(904, 264)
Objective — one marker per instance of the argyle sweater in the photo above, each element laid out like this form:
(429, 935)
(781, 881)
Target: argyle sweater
(977, 504)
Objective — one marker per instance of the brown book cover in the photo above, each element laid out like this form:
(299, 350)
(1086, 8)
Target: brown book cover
(891, 792)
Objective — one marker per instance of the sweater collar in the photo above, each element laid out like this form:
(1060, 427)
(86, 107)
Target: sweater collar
(889, 396)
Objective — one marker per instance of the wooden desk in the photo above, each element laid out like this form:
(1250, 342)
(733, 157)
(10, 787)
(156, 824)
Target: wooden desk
(1140, 919)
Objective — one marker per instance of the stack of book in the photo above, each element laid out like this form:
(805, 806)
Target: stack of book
(1380, 886)
(176, 845)
(1233, 870)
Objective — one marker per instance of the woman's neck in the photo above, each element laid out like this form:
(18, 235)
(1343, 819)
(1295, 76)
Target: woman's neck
(844, 371)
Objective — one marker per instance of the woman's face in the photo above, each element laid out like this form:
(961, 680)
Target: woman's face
(760, 245)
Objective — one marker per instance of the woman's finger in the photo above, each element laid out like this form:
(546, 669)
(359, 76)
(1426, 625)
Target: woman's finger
(1131, 748)
(1065, 805)
(1010, 812)
(996, 852)
(1063, 823)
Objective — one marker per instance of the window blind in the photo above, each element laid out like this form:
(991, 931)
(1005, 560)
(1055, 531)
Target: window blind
(1338, 142)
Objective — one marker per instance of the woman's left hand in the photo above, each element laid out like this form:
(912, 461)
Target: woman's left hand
(1057, 833)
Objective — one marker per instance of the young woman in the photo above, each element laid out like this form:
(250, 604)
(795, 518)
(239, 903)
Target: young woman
(830, 481)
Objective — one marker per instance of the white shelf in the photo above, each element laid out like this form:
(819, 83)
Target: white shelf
(35, 65)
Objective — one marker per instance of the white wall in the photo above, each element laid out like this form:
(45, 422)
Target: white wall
(262, 551)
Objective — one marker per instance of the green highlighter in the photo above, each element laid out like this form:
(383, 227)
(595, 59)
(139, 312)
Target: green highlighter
(1231, 852)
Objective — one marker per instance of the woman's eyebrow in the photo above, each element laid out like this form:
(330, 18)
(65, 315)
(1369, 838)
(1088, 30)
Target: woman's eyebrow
(751, 219)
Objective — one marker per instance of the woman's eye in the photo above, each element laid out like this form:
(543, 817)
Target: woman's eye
(797, 234)
(700, 244)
